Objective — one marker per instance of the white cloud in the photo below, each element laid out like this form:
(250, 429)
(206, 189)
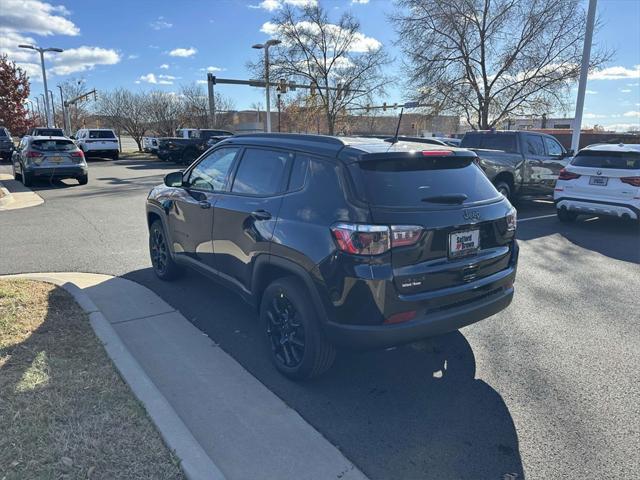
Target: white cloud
(149, 78)
(361, 2)
(82, 58)
(164, 66)
(361, 43)
(637, 84)
(160, 24)
(133, 56)
(183, 52)
(625, 90)
(591, 116)
(213, 69)
(167, 77)
(590, 92)
(622, 127)
(272, 5)
(632, 113)
(36, 17)
(201, 82)
(616, 73)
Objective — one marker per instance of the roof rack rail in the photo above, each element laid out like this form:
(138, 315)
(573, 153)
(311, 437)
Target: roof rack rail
(303, 137)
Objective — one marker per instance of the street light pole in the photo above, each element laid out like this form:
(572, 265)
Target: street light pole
(53, 108)
(42, 51)
(584, 72)
(265, 46)
(64, 115)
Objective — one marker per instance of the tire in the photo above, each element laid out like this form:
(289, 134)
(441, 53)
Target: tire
(163, 264)
(566, 216)
(116, 156)
(287, 311)
(83, 180)
(27, 181)
(504, 188)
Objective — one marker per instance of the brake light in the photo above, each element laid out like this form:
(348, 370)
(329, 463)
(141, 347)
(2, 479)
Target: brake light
(360, 239)
(437, 153)
(633, 181)
(77, 156)
(32, 154)
(567, 175)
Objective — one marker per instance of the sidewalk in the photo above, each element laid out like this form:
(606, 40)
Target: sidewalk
(215, 414)
(16, 195)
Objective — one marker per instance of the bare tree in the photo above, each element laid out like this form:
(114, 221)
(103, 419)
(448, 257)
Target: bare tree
(127, 112)
(328, 55)
(489, 59)
(165, 112)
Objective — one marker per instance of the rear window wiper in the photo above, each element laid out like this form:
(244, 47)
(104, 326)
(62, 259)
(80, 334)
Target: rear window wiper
(449, 199)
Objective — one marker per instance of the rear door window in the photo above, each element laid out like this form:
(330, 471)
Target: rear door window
(101, 134)
(534, 145)
(261, 172)
(600, 159)
(416, 182)
(491, 141)
(53, 145)
(553, 148)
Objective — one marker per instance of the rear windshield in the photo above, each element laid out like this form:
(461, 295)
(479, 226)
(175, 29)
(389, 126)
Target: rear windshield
(101, 134)
(600, 159)
(491, 141)
(53, 145)
(49, 132)
(420, 182)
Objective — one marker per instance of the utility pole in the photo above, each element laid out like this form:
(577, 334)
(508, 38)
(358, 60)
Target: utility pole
(584, 72)
(211, 81)
(53, 109)
(64, 113)
(42, 51)
(265, 46)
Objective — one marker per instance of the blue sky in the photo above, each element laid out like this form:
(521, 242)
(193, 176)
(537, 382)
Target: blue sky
(161, 44)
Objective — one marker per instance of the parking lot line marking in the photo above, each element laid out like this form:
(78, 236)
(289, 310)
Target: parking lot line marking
(520, 220)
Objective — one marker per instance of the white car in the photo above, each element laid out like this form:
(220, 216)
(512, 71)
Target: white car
(98, 142)
(600, 180)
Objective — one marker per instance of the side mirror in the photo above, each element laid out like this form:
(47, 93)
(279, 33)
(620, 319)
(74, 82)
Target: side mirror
(570, 153)
(173, 179)
(72, 137)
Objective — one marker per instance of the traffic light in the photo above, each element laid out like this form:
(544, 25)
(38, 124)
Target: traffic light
(211, 78)
(292, 86)
(283, 85)
(384, 107)
(339, 91)
(313, 88)
(368, 108)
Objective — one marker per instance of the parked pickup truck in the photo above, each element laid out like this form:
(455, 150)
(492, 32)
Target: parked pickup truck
(189, 144)
(518, 163)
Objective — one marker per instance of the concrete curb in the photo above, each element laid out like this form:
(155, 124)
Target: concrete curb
(5, 199)
(195, 462)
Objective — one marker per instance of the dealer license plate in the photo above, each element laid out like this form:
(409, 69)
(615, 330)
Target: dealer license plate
(602, 181)
(464, 243)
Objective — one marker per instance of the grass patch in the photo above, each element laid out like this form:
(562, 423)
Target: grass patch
(65, 413)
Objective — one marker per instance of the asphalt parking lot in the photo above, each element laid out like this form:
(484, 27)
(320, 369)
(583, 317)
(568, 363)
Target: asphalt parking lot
(546, 389)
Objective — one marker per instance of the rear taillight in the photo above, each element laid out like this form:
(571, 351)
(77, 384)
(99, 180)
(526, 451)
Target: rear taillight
(360, 239)
(32, 154)
(77, 156)
(567, 175)
(633, 181)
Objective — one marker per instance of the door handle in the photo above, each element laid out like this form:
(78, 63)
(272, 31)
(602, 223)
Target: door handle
(261, 215)
(204, 204)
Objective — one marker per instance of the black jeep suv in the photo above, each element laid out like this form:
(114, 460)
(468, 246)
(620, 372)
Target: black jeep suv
(340, 242)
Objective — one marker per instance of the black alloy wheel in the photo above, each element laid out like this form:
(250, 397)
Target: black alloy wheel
(163, 265)
(285, 331)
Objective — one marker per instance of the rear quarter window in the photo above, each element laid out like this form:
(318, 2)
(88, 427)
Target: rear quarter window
(101, 134)
(601, 159)
(411, 182)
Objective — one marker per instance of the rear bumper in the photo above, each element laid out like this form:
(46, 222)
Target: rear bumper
(598, 207)
(370, 337)
(438, 312)
(58, 172)
(89, 152)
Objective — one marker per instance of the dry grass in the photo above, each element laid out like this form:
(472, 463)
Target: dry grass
(136, 155)
(65, 413)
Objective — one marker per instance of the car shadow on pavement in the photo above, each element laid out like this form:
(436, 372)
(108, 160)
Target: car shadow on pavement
(416, 411)
(149, 165)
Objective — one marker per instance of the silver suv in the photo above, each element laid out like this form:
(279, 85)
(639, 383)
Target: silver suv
(48, 157)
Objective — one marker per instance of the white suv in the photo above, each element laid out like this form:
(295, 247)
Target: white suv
(600, 180)
(98, 142)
